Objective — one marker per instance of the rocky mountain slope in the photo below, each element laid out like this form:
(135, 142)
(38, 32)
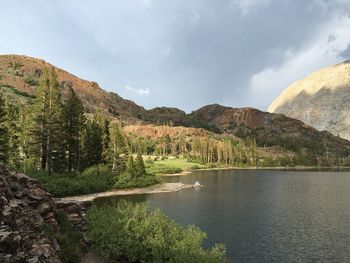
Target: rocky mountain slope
(21, 74)
(322, 100)
(270, 129)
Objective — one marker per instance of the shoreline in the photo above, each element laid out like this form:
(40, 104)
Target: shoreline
(175, 187)
(295, 168)
(156, 189)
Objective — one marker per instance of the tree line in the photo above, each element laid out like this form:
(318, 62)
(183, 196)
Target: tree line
(53, 134)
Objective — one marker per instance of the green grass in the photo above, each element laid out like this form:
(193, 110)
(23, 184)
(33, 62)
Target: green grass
(172, 166)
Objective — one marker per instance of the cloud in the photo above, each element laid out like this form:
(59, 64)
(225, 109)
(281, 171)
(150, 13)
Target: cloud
(140, 91)
(267, 84)
(203, 49)
(194, 16)
(147, 2)
(246, 6)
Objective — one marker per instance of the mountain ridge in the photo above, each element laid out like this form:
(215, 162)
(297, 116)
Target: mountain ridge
(22, 74)
(321, 99)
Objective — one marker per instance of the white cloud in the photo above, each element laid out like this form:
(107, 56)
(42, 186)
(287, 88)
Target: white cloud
(267, 84)
(246, 6)
(140, 91)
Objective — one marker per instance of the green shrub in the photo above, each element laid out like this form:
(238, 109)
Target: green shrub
(68, 238)
(32, 82)
(92, 180)
(136, 234)
(128, 182)
(164, 170)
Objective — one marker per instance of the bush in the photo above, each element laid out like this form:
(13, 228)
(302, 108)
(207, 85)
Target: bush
(67, 237)
(164, 170)
(92, 180)
(32, 82)
(136, 234)
(128, 182)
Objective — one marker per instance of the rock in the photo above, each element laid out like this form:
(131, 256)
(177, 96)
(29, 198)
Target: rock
(322, 100)
(36, 194)
(24, 209)
(5, 232)
(44, 208)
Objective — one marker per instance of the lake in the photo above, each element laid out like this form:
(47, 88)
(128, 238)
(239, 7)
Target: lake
(265, 215)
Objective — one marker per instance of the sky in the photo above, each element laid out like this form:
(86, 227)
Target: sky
(182, 53)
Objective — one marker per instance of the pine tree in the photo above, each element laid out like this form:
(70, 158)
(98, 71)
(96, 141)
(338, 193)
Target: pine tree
(48, 130)
(106, 140)
(4, 136)
(118, 149)
(130, 172)
(74, 121)
(140, 166)
(91, 151)
(14, 155)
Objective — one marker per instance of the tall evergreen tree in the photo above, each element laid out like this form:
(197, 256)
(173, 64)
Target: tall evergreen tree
(118, 149)
(140, 166)
(4, 136)
(14, 155)
(130, 171)
(73, 124)
(91, 144)
(106, 139)
(48, 132)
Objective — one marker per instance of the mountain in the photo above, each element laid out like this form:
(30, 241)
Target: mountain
(19, 76)
(321, 99)
(270, 129)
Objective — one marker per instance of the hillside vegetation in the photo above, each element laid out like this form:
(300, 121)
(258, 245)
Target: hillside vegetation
(211, 134)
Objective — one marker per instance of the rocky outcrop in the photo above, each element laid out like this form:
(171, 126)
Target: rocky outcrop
(322, 100)
(26, 210)
(76, 212)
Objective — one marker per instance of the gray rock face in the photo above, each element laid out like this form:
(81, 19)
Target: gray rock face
(322, 100)
(25, 209)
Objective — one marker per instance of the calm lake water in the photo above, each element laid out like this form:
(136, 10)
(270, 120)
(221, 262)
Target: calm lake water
(265, 216)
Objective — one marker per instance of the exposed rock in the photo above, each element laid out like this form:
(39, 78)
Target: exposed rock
(25, 210)
(76, 212)
(21, 222)
(322, 100)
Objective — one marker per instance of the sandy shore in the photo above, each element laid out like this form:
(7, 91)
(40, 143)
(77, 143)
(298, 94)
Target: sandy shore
(177, 174)
(283, 168)
(160, 188)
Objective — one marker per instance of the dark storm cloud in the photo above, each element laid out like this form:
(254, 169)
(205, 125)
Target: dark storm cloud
(183, 53)
(345, 53)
